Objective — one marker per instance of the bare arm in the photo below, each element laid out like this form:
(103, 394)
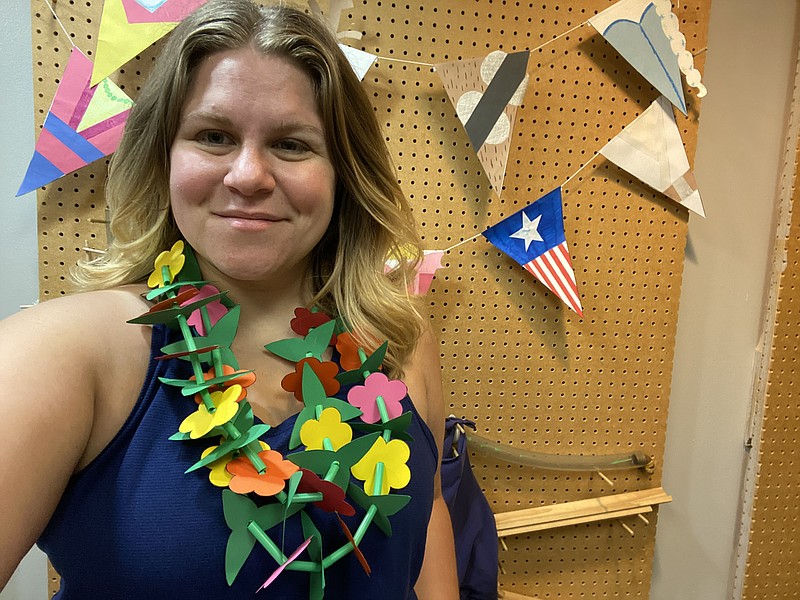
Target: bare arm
(57, 361)
(438, 579)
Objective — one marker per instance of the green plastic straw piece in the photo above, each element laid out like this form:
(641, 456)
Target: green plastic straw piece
(332, 471)
(265, 541)
(166, 276)
(308, 497)
(365, 523)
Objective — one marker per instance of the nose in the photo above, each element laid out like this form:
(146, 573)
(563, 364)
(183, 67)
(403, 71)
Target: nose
(250, 171)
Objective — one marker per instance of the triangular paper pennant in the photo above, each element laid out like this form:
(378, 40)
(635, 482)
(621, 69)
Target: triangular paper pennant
(360, 61)
(651, 149)
(127, 27)
(486, 93)
(635, 29)
(534, 237)
(83, 124)
(426, 271)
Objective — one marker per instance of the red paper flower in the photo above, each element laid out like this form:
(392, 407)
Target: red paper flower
(326, 371)
(246, 479)
(333, 497)
(305, 320)
(348, 350)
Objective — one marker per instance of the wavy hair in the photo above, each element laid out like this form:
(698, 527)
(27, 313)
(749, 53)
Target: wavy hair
(372, 220)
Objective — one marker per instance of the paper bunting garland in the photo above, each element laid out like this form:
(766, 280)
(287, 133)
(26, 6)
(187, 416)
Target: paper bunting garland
(636, 30)
(83, 125)
(651, 149)
(426, 271)
(534, 237)
(129, 26)
(486, 93)
(360, 61)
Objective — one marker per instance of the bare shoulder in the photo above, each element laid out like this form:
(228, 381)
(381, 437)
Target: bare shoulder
(423, 377)
(57, 404)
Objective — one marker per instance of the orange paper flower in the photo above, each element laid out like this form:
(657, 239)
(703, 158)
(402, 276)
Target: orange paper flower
(326, 371)
(246, 479)
(245, 380)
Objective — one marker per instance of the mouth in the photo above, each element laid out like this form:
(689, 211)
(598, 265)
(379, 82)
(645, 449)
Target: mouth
(248, 221)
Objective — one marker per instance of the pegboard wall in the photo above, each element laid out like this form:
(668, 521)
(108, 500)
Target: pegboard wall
(768, 553)
(530, 372)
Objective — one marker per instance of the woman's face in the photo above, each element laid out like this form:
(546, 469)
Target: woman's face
(251, 182)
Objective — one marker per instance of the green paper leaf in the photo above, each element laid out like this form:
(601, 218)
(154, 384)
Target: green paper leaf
(240, 545)
(397, 426)
(294, 481)
(292, 349)
(190, 270)
(169, 314)
(319, 338)
(309, 412)
(238, 510)
(229, 446)
(190, 388)
(313, 391)
(172, 287)
(320, 461)
(314, 344)
(387, 505)
(317, 583)
(223, 332)
(372, 364)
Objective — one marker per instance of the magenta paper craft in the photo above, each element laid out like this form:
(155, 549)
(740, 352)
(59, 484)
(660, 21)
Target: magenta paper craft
(84, 124)
(651, 149)
(426, 271)
(159, 11)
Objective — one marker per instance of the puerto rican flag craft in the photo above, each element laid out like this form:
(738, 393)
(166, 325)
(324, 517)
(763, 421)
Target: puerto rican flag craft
(534, 237)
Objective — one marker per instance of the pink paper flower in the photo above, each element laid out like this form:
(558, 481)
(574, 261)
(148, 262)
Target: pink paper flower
(216, 310)
(365, 397)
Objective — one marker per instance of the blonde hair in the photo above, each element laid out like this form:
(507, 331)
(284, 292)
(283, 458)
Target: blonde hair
(372, 221)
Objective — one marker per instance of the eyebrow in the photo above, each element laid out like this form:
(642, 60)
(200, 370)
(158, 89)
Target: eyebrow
(286, 126)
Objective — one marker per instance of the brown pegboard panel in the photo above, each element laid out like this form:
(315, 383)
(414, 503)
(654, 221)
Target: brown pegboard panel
(516, 360)
(772, 555)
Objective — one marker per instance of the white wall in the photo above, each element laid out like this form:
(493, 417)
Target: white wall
(749, 74)
(18, 247)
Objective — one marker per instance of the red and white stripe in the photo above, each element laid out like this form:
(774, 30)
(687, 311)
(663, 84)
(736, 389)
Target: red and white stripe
(554, 269)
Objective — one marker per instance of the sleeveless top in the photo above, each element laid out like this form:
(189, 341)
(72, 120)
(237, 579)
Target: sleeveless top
(131, 524)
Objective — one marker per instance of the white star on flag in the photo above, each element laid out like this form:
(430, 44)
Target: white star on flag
(529, 232)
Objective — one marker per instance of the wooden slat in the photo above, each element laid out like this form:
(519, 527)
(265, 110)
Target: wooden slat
(580, 511)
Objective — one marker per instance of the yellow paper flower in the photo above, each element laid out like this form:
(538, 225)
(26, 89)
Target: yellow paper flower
(172, 258)
(201, 421)
(396, 473)
(329, 425)
(218, 474)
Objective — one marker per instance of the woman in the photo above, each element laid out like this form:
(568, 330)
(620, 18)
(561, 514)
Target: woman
(255, 144)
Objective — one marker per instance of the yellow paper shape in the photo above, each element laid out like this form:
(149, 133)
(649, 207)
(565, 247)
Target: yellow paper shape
(118, 41)
(329, 426)
(107, 101)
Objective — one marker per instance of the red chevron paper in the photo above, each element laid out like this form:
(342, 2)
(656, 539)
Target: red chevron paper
(83, 125)
(129, 26)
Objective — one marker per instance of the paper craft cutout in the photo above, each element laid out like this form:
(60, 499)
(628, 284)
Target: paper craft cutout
(360, 61)
(129, 26)
(534, 237)
(651, 149)
(426, 271)
(486, 93)
(333, 16)
(378, 388)
(84, 124)
(645, 33)
(281, 568)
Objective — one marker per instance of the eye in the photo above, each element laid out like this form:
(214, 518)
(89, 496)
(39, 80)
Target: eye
(213, 138)
(291, 145)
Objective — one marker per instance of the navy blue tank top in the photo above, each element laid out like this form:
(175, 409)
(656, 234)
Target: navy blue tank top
(132, 525)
